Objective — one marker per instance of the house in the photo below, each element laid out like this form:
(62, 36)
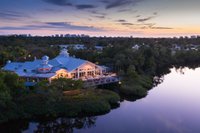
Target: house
(73, 46)
(136, 47)
(176, 47)
(194, 47)
(98, 48)
(62, 66)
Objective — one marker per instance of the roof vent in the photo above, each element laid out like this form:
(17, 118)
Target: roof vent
(9, 61)
(44, 67)
(45, 60)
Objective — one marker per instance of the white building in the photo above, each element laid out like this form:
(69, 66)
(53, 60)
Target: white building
(62, 66)
(73, 46)
(135, 47)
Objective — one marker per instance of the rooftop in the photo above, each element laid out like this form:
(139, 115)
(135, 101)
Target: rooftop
(44, 67)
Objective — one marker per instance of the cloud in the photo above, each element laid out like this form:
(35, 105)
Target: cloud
(54, 26)
(11, 15)
(119, 3)
(52, 10)
(13, 28)
(145, 19)
(121, 20)
(59, 2)
(162, 28)
(124, 22)
(68, 3)
(68, 25)
(127, 24)
(124, 10)
(100, 16)
(138, 16)
(85, 6)
(98, 13)
(145, 26)
(153, 26)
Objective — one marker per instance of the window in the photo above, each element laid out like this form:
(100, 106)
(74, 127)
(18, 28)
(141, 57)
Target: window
(90, 73)
(73, 75)
(82, 74)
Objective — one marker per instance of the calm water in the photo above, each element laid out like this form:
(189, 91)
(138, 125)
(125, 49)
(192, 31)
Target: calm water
(171, 107)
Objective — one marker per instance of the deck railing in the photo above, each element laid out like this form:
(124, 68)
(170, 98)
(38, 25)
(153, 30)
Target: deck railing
(100, 80)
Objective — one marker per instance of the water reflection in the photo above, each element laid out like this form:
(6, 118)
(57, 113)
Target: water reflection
(14, 126)
(157, 80)
(170, 107)
(60, 125)
(65, 125)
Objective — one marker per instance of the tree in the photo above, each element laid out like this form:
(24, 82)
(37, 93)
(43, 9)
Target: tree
(11, 80)
(5, 96)
(66, 84)
(131, 73)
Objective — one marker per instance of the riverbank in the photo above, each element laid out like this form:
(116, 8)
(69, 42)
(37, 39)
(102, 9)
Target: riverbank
(72, 104)
(134, 88)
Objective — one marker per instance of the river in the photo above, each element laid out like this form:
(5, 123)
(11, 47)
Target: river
(171, 107)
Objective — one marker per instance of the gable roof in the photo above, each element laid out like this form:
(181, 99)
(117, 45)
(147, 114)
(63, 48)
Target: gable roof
(69, 63)
(12, 66)
(45, 68)
(29, 68)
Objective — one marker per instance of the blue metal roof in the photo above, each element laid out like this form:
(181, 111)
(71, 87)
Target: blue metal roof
(35, 74)
(12, 66)
(30, 69)
(69, 63)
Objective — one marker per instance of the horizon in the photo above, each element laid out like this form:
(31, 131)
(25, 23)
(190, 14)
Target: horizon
(83, 35)
(97, 18)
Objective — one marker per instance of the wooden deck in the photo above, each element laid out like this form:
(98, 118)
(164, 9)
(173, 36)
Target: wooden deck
(101, 80)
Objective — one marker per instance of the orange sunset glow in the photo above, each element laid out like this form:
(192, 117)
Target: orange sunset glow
(143, 18)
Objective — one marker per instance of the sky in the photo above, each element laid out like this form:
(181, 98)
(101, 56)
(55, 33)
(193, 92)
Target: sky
(137, 18)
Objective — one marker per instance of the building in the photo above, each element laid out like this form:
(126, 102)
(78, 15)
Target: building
(62, 66)
(73, 46)
(136, 47)
(99, 48)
